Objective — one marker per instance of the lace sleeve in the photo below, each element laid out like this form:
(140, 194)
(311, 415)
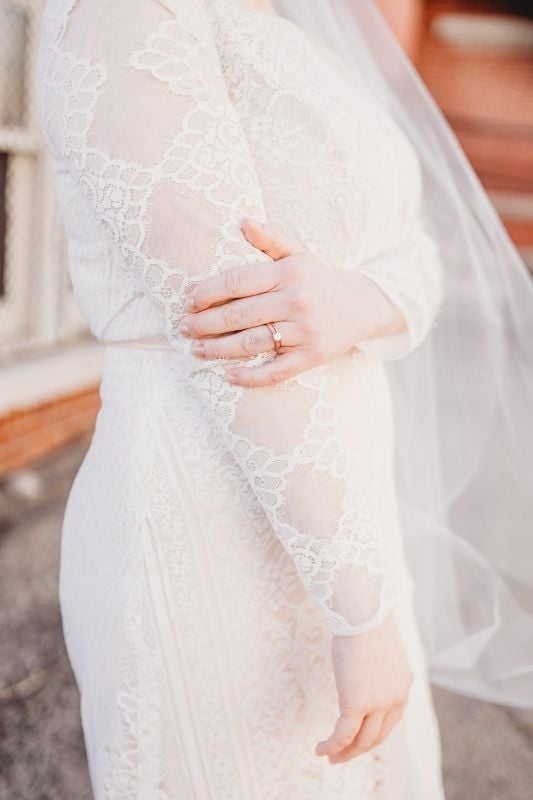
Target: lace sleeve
(410, 272)
(142, 121)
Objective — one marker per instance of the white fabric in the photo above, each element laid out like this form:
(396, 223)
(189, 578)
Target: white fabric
(204, 666)
(202, 663)
(463, 399)
(161, 197)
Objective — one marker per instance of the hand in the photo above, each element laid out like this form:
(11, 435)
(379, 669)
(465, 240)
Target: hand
(320, 313)
(373, 680)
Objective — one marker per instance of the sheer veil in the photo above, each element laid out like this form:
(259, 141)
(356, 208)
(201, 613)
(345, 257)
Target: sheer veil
(463, 400)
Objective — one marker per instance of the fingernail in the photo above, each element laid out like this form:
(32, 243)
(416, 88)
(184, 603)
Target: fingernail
(184, 328)
(189, 304)
(231, 377)
(198, 348)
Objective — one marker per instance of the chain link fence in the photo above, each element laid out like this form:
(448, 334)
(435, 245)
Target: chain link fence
(37, 311)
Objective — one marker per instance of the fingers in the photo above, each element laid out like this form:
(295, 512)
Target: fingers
(346, 729)
(241, 281)
(282, 368)
(250, 342)
(366, 738)
(269, 240)
(390, 719)
(373, 730)
(235, 316)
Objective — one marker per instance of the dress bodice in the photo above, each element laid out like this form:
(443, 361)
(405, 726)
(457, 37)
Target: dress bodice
(168, 121)
(334, 169)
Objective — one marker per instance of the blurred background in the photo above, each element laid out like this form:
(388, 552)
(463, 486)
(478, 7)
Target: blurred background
(477, 59)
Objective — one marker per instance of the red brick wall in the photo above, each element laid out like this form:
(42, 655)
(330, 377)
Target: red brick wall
(35, 432)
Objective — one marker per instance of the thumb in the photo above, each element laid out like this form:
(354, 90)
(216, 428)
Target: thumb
(266, 238)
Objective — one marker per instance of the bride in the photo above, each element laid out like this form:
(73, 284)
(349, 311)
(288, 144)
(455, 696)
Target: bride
(245, 233)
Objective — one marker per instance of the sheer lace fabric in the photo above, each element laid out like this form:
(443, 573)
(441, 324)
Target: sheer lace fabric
(164, 138)
(200, 503)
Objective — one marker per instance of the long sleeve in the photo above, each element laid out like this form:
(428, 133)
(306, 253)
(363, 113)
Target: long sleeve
(409, 271)
(136, 109)
(410, 274)
(406, 263)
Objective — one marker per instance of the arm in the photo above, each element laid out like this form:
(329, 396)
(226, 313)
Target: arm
(409, 271)
(143, 122)
(410, 275)
(384, 305)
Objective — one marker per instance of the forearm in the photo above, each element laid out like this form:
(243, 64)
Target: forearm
(410, 276)
(378, 316)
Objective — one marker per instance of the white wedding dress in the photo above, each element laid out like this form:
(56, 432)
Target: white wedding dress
(215, 536)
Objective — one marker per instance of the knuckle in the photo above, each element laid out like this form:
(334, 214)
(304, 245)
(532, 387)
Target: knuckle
(232, 282)
(251, 380)
(278, 271)
(355, 712)
(250, 343)
(279, 375)
(295, 269)
(319, 351)
(213, 351)
(232, 316)
(300, 301)
(344, 740)
(195, 328)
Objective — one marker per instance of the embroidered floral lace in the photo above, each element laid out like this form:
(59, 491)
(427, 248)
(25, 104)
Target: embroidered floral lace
(168, 123)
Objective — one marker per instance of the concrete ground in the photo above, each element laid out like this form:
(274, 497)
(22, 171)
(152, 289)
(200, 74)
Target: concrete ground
(488, 750)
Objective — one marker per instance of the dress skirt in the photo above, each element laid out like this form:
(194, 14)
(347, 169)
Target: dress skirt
(203, 665)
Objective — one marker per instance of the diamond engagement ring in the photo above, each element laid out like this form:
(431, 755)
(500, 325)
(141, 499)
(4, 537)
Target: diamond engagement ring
(276, 335)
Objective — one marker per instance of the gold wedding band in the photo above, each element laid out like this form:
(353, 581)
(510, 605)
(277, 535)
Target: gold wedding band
(276, 335)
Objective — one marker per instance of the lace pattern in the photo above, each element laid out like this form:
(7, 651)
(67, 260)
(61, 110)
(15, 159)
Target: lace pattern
(199, 169)
(257, 518)
(155, 704)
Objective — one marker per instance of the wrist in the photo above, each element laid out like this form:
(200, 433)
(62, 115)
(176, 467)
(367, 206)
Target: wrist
(375, 313)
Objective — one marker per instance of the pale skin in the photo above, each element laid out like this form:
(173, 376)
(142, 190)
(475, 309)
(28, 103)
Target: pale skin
(320, 314)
